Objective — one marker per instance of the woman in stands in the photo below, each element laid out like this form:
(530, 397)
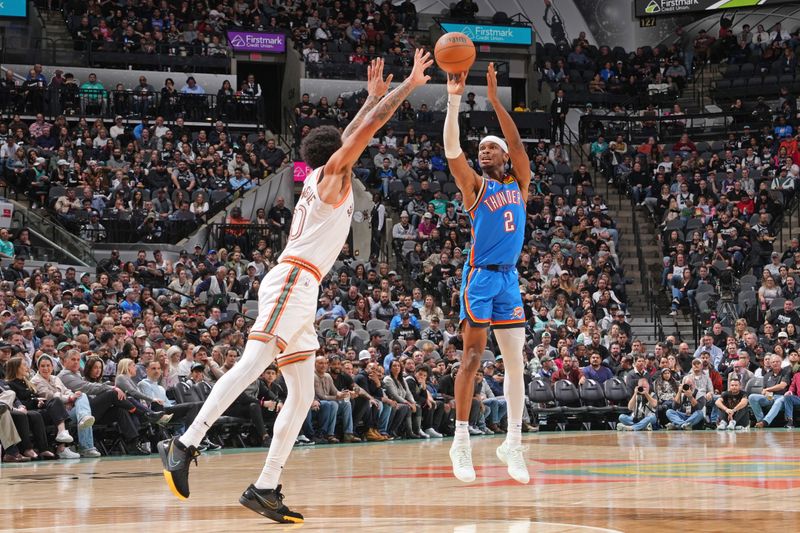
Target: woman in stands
(360, 311)
(740, 330)
(768, 291)
(49, 387)
(199, 206)
(225, 100)
(430, 309)
(257, 169)
(126, 371)
(50, 411)
(397, 390)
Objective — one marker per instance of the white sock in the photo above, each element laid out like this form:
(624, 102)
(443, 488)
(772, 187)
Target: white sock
(514, 435)
(256, 357)
(300, 393)
(462, 433)
(511, 342)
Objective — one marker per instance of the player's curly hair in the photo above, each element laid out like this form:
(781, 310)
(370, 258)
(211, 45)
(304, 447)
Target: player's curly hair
(319, 145)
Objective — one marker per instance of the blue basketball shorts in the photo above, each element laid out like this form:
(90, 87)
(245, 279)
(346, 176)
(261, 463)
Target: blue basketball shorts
(491, 298)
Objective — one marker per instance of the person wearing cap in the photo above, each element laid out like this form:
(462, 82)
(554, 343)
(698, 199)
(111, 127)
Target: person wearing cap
(197, 373)
(403, 235)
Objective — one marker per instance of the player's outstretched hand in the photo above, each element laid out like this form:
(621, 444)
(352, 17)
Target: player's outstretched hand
(376, 85)
(456, 83)
(491, 83)
(422, 60)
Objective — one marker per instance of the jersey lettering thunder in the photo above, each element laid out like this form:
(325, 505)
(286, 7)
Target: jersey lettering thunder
(498, 223)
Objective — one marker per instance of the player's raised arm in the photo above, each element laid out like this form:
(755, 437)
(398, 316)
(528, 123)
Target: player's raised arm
(516, 150)
(376, 88)
(336, 178)
(467, 180)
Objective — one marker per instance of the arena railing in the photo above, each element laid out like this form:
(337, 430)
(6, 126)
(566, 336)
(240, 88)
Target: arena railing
(340, 67)
(126, 227)
(72, 100)
(165, 58)
(667, 127)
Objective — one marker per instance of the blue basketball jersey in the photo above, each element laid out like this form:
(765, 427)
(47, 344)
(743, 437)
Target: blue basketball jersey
(498, 223)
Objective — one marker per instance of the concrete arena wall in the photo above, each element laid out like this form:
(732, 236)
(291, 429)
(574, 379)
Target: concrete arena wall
(435, 95)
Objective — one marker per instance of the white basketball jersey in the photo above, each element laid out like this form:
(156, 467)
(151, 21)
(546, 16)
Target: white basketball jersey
(319, 230)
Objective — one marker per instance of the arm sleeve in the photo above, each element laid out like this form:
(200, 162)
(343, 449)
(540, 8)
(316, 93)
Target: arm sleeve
(452, 144)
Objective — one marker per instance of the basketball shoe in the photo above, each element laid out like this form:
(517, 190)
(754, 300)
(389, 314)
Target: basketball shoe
(176, 458)
(513, 458)
(269, 503)
(461, 456)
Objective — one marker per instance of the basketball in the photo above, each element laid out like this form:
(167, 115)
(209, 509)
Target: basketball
(454, 52)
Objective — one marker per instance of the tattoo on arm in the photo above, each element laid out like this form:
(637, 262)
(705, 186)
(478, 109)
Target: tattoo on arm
(386, 108)
(369, 104)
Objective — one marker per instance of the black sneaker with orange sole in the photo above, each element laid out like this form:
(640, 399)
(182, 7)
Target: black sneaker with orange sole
(176, 458)
(269, 503)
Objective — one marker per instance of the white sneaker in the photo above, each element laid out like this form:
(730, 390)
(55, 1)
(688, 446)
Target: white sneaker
(302, 438)
(733, 427)
(64, 437)
(433, 433)
(475, 431)
(512, 456)
(423, 435)
(86, 422)
(68, 454)
(722, 426)
(486, 431)
(90, 452)
(461, 456)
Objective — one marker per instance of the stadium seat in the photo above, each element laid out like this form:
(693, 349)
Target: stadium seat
(540, 392)
(375, 325)
(617, 395)
(568, 398)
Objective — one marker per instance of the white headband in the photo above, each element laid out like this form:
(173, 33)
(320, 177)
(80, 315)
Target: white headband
(495, 139)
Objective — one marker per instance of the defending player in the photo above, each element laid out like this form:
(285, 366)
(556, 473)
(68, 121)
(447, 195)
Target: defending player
(287, 298)
(490, 293)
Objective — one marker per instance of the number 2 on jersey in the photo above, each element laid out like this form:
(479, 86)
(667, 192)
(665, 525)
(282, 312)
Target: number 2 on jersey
(509, 218)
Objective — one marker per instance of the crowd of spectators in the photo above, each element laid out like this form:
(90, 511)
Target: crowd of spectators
(65, 94)
(121, 181)
(328, 31)
(609, 76)
(717, 206)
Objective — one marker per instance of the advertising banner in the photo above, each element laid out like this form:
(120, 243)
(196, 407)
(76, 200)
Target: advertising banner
(485, 34)
(250, 41)
(301, 170)
(648, 8)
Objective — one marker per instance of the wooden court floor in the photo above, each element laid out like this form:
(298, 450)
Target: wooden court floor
(580, 482)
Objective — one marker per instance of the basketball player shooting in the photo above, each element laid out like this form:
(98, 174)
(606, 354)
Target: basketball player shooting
(284, 329)
(490, 296)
